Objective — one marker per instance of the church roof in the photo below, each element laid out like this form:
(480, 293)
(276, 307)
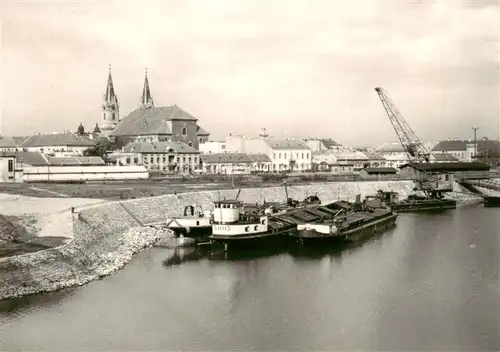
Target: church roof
(159, 147)
(150, 121)
(58, 139)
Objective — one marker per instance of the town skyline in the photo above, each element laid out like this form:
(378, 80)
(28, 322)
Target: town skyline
(302, 70)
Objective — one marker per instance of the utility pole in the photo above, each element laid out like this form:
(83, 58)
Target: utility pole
(475, 141)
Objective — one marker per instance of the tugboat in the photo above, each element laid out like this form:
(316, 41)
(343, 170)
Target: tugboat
(233, 225)
(352, 222)
(192, 223)
(237, 225)
(413, 203)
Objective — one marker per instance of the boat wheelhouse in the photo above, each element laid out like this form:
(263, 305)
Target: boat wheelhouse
(231, 223)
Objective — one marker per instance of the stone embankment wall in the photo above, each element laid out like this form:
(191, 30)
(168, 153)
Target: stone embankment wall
(107, 235)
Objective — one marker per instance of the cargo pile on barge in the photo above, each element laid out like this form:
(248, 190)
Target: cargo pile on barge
(414, 202)
(351, 222)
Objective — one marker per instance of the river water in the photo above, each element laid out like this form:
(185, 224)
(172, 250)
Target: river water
(431, 283)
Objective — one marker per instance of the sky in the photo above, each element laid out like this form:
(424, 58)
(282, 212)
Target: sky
(297, 68)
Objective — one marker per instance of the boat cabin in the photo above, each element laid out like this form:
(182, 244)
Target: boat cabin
(382, 199)
(227, 211)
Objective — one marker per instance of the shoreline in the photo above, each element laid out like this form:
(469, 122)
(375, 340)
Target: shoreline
(106, 235)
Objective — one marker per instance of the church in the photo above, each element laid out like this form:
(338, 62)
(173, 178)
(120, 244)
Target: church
(148, 123)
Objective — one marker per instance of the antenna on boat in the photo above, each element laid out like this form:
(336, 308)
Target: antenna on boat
(286, 191)
(220, 207)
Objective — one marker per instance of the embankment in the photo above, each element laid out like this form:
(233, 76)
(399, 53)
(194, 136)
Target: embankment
(106, 235)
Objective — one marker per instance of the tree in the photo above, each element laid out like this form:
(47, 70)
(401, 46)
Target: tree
(100, 149)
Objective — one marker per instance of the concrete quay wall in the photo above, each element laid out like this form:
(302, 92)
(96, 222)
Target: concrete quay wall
(106, 235)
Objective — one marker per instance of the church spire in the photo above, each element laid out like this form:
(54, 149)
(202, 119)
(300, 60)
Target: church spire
(146, 97)
(110, 96)
(110, 107)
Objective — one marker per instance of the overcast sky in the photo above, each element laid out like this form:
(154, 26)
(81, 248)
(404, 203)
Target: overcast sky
(304, 68)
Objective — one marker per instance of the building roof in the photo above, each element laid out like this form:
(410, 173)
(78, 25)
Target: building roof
(8, 142)
(201, 132)
(450, 167)
(152, 121)
(19, 140)
(286, 143)
(31, 158)
(443, 157)
(373, 156)
(234, 158)
(59, 139)
(451, 145)
(390, 147)
(329, 143)
(380, 170)
(160, 147)
(76, 161)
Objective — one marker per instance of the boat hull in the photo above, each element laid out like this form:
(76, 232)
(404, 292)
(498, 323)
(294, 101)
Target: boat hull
(491, 202)
(262, 240)
(425, 205)
(194, 232)
(363, 232)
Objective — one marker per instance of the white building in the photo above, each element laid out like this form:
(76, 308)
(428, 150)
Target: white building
(9, 171)
(235, 163)
(212, 147)
(462, 150)
(285, 154)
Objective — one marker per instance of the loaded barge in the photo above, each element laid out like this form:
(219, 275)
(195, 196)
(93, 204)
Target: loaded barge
(415, 203)
(235, 226)
(352, 222)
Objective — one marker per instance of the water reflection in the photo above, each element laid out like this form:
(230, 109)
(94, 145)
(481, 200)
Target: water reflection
(24, 305)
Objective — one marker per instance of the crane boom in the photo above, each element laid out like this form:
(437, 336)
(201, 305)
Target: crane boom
(413, 147)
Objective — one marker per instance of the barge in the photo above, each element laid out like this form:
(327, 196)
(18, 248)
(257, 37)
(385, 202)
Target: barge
(235, 226)
(415, 203)
(352, 222)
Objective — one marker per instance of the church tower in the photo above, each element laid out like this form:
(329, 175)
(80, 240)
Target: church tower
(146, 97)
(110, 108)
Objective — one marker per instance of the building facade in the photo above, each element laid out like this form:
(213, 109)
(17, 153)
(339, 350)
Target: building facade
(212, 147)
(169, 157)
(235, 163)
(286, 155)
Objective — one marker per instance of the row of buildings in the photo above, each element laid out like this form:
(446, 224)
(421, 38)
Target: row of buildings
(168, 139)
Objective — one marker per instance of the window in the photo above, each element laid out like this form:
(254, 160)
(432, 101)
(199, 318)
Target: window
(127, 161)
(164, 159)
(190, 144)
(184, 131)
(11, 165)
(152, 160)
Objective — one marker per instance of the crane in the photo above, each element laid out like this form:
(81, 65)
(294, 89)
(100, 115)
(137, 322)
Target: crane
(414, 149)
